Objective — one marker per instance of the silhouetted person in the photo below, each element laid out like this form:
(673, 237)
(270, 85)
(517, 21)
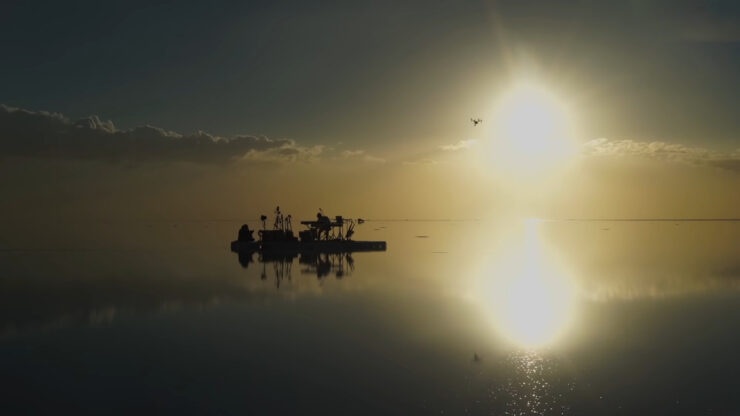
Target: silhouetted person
(278, 219)
(324, 225)
(245, 234)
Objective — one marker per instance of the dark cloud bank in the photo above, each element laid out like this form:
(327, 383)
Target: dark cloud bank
(42, 134)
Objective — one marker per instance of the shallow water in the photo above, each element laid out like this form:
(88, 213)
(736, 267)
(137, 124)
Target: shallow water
(507, 317)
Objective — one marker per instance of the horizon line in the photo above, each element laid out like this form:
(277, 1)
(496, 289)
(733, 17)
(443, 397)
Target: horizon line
(119, 220)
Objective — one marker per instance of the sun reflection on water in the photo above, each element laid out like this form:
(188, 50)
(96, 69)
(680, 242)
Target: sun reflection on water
(529, 294)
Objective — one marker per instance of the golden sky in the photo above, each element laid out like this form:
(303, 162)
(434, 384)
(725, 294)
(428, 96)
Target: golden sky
(604, 110)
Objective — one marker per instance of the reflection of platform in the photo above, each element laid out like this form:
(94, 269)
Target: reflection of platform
(319, 246)
(320, 262)
(244, 246)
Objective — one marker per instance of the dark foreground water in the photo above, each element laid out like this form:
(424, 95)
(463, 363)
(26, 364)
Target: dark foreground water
(491, 318)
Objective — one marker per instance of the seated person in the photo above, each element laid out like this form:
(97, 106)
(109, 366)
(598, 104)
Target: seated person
(245, 234)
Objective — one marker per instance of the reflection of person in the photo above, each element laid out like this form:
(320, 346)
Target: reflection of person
(245, 257)
(323, 268)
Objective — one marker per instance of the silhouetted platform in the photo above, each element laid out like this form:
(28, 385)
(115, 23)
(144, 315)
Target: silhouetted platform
(318, 246)
(321, 236)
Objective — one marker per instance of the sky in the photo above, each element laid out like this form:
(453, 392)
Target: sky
(224, 109)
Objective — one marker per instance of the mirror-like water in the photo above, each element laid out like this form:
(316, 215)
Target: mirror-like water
(511, 318)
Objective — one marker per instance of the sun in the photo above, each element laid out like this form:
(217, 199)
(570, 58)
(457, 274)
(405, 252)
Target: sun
(533, 129)
(531, 120)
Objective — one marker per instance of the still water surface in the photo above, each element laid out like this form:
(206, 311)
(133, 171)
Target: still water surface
(490, 318)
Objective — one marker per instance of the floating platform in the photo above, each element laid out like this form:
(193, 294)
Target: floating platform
(323, 235)
(317, 246)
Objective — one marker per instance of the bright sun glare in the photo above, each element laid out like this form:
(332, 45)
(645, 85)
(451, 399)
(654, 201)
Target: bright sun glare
(533, 129)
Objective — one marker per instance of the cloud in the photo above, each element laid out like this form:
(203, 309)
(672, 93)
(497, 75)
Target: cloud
(439, 155)
(460, 145)
(373, 159)
(728, 164)
(361, 155)
(51, 135)
(425, 161)
(352, 153)
(286, 153)
(663, 151)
